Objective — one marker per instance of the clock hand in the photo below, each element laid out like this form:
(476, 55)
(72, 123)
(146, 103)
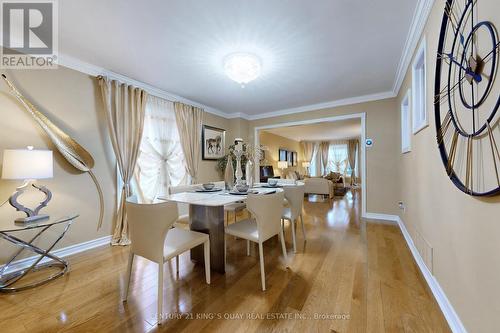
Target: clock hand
(475, 76)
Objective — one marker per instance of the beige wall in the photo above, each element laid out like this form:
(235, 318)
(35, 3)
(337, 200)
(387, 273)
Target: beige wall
(382, 127)
(72, 101)
(463, 231)
(273, 143)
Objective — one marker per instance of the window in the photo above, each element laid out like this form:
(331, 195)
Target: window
(405, 124)
(419, 82)
(337, 158)
(161, 162)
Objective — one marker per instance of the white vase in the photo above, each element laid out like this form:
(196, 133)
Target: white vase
(229, 173)
(249, 173)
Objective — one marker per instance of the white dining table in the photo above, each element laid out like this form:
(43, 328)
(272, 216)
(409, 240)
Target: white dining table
(206, 214)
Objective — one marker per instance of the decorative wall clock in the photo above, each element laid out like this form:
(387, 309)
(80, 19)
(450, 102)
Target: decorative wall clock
(467, 96)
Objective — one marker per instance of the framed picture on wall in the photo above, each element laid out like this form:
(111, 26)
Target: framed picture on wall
(282, 155)
(213, 142)
(294, 159)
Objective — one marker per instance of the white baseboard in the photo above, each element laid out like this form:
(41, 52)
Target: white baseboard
(392, 219)
(449, 313)
(63, 252)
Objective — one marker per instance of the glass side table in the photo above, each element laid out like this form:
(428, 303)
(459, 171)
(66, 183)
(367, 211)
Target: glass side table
(8, 232)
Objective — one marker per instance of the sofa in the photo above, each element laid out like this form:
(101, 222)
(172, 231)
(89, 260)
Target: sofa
(319, 185)
(339, 185)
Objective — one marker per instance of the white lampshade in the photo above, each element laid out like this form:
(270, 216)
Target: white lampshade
(306, 164)
(282, 164)
(27, 164)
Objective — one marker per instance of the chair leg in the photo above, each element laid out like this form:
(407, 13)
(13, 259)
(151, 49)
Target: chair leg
(248, 247)
(160, 292)
(303, 227)
(283, 247)
(262, 273)
(177, 265)
(292, 225)
(206, 250)
(129, 273)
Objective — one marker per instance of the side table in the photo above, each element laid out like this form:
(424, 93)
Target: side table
(9, 231)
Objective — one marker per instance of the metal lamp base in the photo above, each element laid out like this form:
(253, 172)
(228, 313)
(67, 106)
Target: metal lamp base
(30, 219)
(32, 215)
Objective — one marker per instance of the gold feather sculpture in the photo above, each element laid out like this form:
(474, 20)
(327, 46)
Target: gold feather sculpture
(72, 151)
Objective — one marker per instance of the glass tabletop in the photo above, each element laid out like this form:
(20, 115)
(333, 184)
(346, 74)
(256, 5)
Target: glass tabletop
(8, 225)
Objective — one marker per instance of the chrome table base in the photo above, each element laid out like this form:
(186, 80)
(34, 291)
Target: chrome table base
(7, 280)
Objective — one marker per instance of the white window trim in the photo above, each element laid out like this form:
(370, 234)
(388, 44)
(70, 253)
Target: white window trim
(418, 124)
(406, 127)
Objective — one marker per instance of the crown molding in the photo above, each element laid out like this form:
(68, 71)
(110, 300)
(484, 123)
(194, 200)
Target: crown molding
(93, 70)
(420, 16)
(325, 105)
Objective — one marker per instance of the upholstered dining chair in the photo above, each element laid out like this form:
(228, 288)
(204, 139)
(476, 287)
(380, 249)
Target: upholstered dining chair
(266, 210)
(153, 238)
(295, 197)
(182, 209)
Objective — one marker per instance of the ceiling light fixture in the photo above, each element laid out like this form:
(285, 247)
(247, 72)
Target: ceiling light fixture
(242, 67)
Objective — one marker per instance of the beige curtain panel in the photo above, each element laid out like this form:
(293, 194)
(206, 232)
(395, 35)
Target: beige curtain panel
(308, 149)
(352, 147)
(189, 124)
(125, 107)
(324, 146)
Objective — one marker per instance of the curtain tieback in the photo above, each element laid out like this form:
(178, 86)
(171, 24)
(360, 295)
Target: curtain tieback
(126, 188)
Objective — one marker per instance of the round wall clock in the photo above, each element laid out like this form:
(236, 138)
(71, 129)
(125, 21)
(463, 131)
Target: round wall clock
(467, 96)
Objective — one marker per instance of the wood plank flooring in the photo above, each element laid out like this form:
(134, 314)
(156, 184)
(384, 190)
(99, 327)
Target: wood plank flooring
(350, 276)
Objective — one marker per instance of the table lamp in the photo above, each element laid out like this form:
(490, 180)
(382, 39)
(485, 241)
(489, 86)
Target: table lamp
(306, 165)
(282, 165)
(28, 165)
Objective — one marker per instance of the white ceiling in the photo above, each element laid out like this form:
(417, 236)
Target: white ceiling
(312, 51)
(325, 131)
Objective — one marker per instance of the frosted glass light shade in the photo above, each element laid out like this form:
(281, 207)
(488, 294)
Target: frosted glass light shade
(242, 67)
(282, 164)
(27, 164)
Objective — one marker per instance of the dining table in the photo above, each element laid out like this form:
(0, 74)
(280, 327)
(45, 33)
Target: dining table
(206, 214)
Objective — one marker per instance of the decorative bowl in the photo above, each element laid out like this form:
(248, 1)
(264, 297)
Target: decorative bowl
(242, 188)
(272, 182)
(208, 186)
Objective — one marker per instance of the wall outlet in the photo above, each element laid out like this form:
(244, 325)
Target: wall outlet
(402, 206)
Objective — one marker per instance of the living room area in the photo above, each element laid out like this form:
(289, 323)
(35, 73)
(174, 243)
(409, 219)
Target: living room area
(325, 155)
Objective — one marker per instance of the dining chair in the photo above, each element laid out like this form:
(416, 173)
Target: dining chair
(182, 208)
(153, 238)
(295, 197)
(234, 208)
(266, 210)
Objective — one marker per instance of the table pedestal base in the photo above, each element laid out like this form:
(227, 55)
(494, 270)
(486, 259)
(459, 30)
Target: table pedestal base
(209, 220)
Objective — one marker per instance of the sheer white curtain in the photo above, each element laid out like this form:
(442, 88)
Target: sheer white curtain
(338, 157)
(161, 161)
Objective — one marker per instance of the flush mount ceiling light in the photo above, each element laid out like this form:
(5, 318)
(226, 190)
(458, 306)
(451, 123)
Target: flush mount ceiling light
(242, 67)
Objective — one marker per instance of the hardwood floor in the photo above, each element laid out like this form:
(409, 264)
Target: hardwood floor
(350, 276)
